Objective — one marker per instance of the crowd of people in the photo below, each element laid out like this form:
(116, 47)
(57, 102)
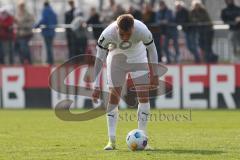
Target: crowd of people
(197, 26)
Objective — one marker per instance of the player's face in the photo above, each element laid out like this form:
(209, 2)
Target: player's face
(125, 35)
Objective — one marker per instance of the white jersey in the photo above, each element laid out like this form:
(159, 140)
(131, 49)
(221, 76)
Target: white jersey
(134, 48)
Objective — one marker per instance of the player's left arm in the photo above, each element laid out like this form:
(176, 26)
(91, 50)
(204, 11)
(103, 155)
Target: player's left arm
(148, 41)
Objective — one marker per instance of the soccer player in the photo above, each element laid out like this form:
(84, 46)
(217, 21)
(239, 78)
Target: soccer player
(126, 40)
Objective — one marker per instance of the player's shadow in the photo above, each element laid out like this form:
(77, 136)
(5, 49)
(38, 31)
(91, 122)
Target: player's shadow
(179, 151)
(186, 151)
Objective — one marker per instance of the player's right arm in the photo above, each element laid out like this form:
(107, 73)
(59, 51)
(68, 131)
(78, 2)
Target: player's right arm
(102, 50)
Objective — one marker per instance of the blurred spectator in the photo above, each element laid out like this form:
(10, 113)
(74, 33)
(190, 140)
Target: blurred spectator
(49, 22)
(24, 22)
(183, 19)
(137, 14)
(149, 18)
(6, 36)
(231, 15)
(107, 15)
(69, 16)
(111, 13)
(94, 20)
(80, 33)
(200, 16)
(169, 30)
(117, 11)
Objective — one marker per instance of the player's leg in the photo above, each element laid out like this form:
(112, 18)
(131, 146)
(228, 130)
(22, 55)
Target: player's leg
(112, 116)
(142, 82)
(143, 112)
(143, 109)
(115, 79)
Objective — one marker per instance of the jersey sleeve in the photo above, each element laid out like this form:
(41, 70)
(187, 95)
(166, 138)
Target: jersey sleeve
(103, 44)
(146, 36)
(147, 39)
(103, 41)
(102, 50)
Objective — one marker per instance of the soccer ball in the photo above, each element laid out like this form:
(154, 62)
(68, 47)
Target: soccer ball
(136, 140)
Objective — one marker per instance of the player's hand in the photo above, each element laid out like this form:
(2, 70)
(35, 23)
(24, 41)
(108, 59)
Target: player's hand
(96, 94)
(153, 75)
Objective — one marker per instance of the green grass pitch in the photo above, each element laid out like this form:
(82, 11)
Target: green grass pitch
(40, 135)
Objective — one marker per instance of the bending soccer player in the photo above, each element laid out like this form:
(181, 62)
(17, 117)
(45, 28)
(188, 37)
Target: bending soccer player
(122, 44)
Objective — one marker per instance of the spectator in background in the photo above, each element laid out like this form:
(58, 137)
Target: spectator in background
(107, 15)
(24, 22)
(6, 36)
(133, 10)
(111, 13)
(200, 16)
(79, 29)
(69, 16)
(166, 21)
(183, 19)
(149, 18)
(117, 11)
(231, 16)
(94, 20)
(49, 22)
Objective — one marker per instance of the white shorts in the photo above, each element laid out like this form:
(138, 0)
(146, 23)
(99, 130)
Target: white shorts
(119, 66)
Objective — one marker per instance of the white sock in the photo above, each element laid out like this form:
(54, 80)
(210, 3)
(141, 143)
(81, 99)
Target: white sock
(112, 117)
(143, 114)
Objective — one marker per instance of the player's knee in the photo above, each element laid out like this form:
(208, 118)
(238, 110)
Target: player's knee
(143, 97)
(115, 95)
(143, 100)
(114, 100)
